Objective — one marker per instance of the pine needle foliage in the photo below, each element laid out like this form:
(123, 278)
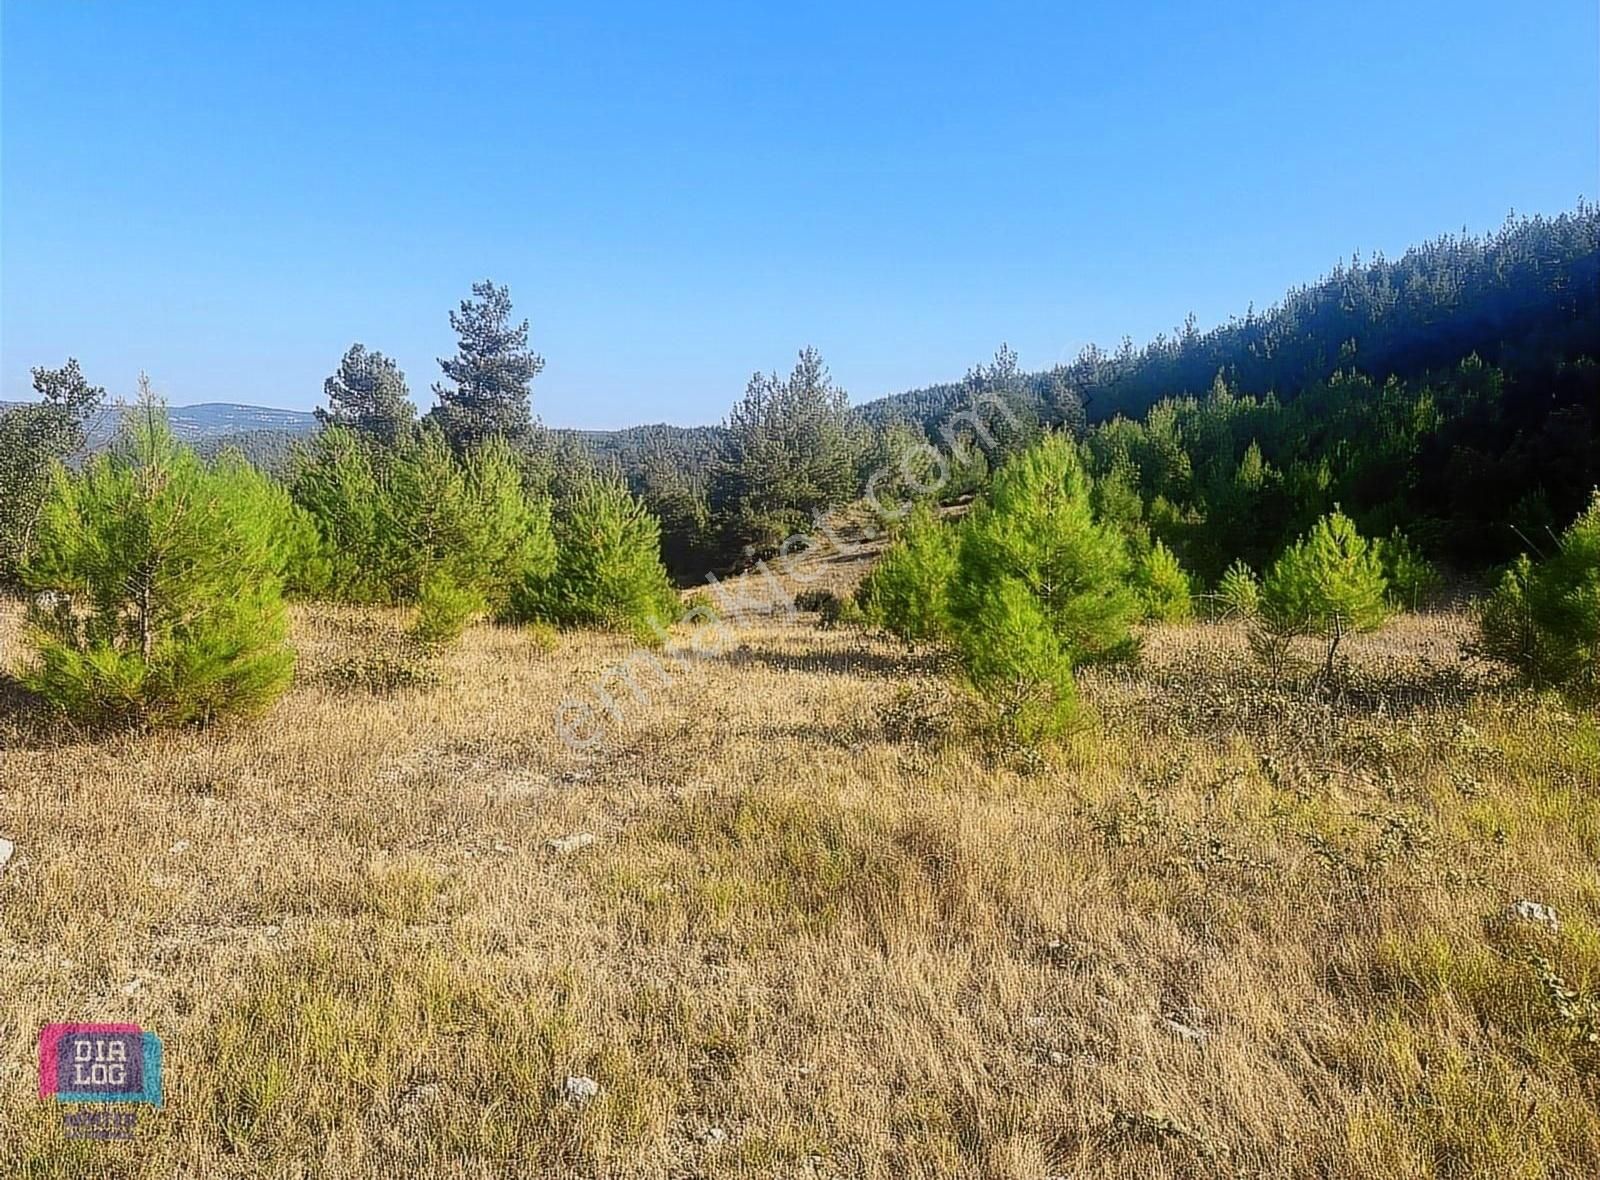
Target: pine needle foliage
(158, 586)
(1329, 583)
(908, 591)
(608, 570)
(1544, 617)
(1041, 587)
(1163, 588)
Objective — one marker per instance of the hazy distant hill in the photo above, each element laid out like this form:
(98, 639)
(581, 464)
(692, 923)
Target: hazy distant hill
(210, 420)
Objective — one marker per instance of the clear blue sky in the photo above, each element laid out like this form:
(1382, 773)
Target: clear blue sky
(229, 194)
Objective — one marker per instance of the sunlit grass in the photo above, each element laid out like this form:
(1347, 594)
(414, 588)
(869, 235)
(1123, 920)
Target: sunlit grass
(825, 929)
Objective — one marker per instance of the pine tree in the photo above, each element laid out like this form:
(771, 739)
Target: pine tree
(33, 438)
(333, 476)
(1038, 528)
(1001, 380)
(487, 383)
(908, 591)
(1409, 574)
(608, 570)
(300, 561)
(160, 599)
(1163, 587)
(1238, 593)
(1544, 618)
(444, 608)
(1017, 662)
(391, 518)
(368, 394)
(673, 488)
(1040, 588)
(469, 518)
(1329, 583)
(791, 447)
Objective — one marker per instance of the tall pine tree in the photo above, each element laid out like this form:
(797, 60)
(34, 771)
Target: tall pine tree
(790, 450)
(487, 383)
(369, 395)
(33, 438)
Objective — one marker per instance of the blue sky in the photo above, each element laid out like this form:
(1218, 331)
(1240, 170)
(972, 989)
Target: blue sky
(228, 195)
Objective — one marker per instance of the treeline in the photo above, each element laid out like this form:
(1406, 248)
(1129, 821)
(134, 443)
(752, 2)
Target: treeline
(1516, 298)
(1035, 583)
(159, 576)
(1452, 393)
(1446, 405)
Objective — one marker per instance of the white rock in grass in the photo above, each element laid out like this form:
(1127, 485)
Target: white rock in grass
(1539, 915)
(6, 849)
(714, 1136)
(561, 845)
(581, 1089)
(1184, 1033)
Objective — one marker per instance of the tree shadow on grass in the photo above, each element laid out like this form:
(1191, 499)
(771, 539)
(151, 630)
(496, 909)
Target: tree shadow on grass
(853, 662)
(27, 722)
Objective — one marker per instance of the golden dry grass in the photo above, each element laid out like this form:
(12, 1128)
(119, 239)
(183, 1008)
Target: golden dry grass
(822, 932)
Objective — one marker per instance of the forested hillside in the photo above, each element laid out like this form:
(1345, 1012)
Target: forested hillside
(1520, 297)
(1452, 392)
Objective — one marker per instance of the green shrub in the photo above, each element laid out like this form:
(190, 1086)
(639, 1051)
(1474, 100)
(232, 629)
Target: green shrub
(161, 600)
(1040, 588)
(444, 608)
(1544, 619)
(1163, 587)
(815, 600)
(1238, 593)
(1328, 583)
(1018, 665)
(908, 592)
(830, 609)
(608, 570)
(1410, 575)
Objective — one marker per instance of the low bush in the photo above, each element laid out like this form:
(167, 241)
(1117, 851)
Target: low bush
(908, 591)
(444, 608)
(1543, 619)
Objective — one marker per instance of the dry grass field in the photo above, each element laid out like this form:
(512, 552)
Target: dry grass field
(822, 931)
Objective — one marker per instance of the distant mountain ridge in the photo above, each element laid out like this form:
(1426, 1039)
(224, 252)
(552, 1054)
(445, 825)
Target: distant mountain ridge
(207, 420)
